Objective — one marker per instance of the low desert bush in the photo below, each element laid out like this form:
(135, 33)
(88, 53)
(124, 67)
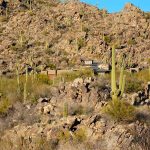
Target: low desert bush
(80, 135)
(4, 106)
(136, 81)
(107, 39)
(131, 42)
(120, 110)
(80, 43)
(64, 135)
(42, 78)
(133, 85)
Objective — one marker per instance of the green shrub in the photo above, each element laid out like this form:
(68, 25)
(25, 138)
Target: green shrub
(133, 85)
(44, 79)
(80, 43)
(147, 15)
(50, 51)
(131, 42)
(120, 110)
(107, 39)
(135, 81)
(80, 135)
(4, 105)
(64, 135)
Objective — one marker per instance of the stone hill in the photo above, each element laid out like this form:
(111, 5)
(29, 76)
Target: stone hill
(61, 34)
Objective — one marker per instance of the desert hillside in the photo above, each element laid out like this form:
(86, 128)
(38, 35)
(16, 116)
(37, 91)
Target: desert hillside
(62, 34)
(51, 98)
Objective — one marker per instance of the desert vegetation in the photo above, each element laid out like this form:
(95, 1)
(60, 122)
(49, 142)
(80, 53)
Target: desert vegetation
(86, 107)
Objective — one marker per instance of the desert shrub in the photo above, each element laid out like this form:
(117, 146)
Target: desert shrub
(133, 85)
(50, 51)
(107, 39)
(80, 135)
(135, 81)
(143, 75)
(120, 110)
(4, 106)
(64, 135)
(44, 79)
(80, 43)
(85, 28)
(17, 47)
(147, 15)
(52, 66)
(8, 89)
(131, 42)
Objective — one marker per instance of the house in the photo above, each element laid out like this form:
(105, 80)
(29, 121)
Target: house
(133, 70)
(88, 62)
(100, 68)
(54, 73)
(104, 67)
(50, 73)
(63, 71)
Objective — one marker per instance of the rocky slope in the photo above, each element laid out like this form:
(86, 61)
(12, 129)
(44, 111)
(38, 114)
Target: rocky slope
(62, 34)
(44, 126)
(51, 34)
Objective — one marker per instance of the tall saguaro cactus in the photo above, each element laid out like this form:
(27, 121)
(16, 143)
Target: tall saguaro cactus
(18, 78)
(113, 74)
(25, 85)
(117, 92)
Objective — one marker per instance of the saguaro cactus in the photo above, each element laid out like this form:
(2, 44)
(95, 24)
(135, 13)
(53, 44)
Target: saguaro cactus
(18, 77)
(117, 92)
(20, 40)
(65, 109)
(113, 74)
(25, 86)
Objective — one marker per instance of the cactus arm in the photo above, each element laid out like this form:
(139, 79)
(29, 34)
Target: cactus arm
(121, 75)
(123, 85)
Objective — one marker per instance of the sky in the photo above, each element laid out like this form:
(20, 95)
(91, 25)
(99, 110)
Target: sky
(117, 5)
